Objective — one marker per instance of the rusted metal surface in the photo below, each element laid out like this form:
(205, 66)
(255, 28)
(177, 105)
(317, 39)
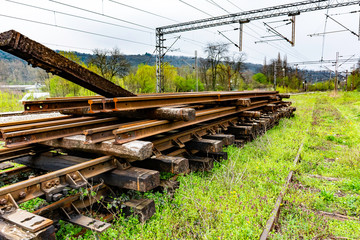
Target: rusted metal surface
(91, 105)
(25, 137)
(175, 146)
(6, 165)
(26, 220)
(124, 135)
(100, 134)
(56, 181)
(275, 212)
(11, 153)
(19, 173)
(36, 125)
(121, 104)
(38, 55)
(179, 139)
(73, 105)
(11, 231)
(77, 218)
(7, 124)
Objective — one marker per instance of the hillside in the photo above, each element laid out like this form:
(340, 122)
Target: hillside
(16, 71)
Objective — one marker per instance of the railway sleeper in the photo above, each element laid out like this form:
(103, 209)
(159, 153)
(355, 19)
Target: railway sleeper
(163, 163)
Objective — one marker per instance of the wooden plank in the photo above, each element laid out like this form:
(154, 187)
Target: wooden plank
(205, 145)
(143, 208)
(200, 164)
(131, 151)
(133, 178)
(38, 55)
(217, 156)
(227, 139)
(175, 165)
(239, 130)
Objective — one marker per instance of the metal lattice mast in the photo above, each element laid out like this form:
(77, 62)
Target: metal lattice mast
(159, 60)
(290, 9)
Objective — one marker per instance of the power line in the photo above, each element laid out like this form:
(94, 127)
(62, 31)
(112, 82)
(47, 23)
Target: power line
(76, 16)
(337, 14)
(58, 45)
(249, 34)
(141, 10)
(195, 8)
(217, 5)
(101, 14)
(76, 30)
(234, 5)
(259, 35)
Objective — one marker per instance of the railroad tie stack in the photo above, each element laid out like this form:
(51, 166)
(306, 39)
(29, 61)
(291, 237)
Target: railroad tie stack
(110, 145)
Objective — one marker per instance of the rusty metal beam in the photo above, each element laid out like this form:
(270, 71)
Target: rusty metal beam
(25, 137)
(141, 102)
(42, 124)
(55, 182)
(179, 139)
(124, 135)
(11, 153)
(91, 105)
(38, 55)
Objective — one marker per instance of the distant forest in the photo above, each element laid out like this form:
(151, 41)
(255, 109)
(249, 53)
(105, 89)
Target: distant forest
(16, 71)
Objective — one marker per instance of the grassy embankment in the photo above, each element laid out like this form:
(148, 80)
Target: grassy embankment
(235, 199)
(10, 102)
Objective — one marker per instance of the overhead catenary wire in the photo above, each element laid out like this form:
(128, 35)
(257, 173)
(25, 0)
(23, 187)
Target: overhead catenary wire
(141, 10)
(76, 30)
(273, 45)
(101, 14)
(76, 16)
(188, 4)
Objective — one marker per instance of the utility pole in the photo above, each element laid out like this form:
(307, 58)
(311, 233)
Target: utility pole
(336, 72)
(275, 75)
(346, 78)
(196, 71)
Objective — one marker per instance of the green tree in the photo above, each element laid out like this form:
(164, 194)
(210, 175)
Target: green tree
(260, 77)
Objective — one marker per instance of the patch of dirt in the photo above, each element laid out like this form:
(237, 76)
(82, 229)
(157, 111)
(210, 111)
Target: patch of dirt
(329, 159)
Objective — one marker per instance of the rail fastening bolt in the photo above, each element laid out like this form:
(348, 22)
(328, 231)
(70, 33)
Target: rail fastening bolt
(22, 194)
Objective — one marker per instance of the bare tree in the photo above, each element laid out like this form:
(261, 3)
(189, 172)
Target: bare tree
(216, 53)
(111, 63)
(235, 65)
(204, 65)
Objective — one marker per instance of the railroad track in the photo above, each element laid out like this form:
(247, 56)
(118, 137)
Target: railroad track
(114, 142)
(105, 164)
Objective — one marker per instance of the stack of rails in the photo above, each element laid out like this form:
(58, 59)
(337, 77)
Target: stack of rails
(111, 144)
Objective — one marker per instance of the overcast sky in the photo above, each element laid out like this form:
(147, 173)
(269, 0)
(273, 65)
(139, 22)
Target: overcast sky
(133, 31)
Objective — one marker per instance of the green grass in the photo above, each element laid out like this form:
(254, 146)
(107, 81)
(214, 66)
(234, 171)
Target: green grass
(10, 102)
(234, 200)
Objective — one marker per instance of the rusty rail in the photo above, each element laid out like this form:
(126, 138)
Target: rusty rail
(91, 105)
(74, 176)
(124, 135)
(38, 55)
(29, 136)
